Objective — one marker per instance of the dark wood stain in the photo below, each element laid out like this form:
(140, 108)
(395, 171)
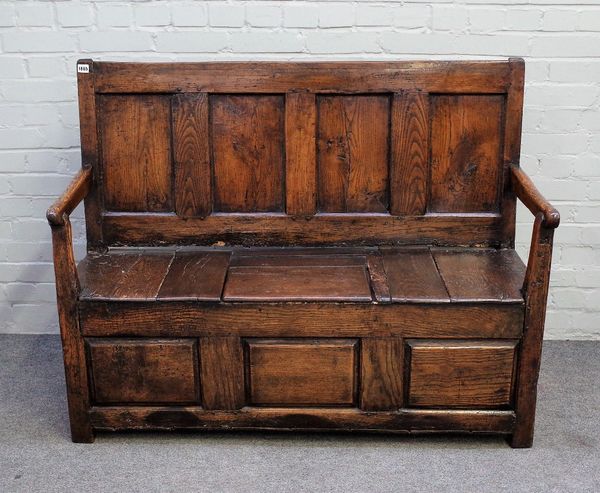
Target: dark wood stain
(291, 283)
(90, 157)
(413, 276)
(195, 276)
(353, 153)
(266, 418)
(458, 374)
(144, 371)
(301, 154)
(320, 230)
(382, 368)
(182, 319)
(222, 372)
(378, 277)
(480, 275)
(469, 77)
(466, 137)
(302, 246)
(191, 153)
(136, 153)
(409, 180)
(247, 146)
(302, 372)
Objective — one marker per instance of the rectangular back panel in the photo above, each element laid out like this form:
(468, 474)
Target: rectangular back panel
(247, 153)
(353, 148)
(136, 152)
(301, 153)
(466, 153)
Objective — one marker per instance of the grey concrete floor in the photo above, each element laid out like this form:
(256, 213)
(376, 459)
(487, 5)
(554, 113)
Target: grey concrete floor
(36, 453)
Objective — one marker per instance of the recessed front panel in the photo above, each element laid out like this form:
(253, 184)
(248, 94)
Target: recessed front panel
(247, 150)
(136, 152)
(308, 372)
(460, 374)
(136, 371)
(353, 153)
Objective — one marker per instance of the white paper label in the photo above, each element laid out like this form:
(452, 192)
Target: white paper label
(83, 68)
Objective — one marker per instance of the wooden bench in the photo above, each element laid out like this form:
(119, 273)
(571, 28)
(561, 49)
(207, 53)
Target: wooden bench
(302, 246)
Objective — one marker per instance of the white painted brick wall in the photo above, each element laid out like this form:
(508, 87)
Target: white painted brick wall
(41, 40)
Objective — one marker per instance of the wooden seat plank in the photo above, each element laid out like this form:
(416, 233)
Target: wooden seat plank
(144, 278)
(123, 276)
(294, 283)
(97, 273)
(413, 276)
(197, 276)
(399, 275)
(481, 275)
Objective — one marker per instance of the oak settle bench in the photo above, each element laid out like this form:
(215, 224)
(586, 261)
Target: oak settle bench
(302, 246)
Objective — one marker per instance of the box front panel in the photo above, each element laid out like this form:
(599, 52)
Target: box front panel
(460, 374)
(144, 371)
(302, 372)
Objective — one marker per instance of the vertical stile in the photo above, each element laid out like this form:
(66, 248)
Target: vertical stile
(300, 151)
(89, 149)
(513, 116)
(222, 372)
(193, 197)
(382, 362)
(410, 153)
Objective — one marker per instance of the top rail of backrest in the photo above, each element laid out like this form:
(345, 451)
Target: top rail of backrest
(301, 153)
(463, 77)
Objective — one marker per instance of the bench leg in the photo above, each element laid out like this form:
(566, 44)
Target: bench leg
(521, 439)
(82, 433)
(67, 289)
(77, 390)
(526, 393)
(535, 288)
(526, 390)
(77, 395)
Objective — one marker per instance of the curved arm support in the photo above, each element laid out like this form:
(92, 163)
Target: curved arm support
(75, 193)
(527, 193)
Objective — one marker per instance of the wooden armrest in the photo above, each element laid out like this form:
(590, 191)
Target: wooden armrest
(527, 193)
(75, 193)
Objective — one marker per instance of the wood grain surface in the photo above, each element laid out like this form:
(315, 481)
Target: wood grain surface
(191, 152)
(302, 372)
(127, 371)
(381, 373)
(248, 157)
(474, 374)
(136, 152)
(312, 245)
(466, 144)
(300, 153)
(353, 153)
(222, 372)
(182, 319)
(409, 159)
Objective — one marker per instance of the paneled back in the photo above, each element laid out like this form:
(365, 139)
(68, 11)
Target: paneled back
(301, 153)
